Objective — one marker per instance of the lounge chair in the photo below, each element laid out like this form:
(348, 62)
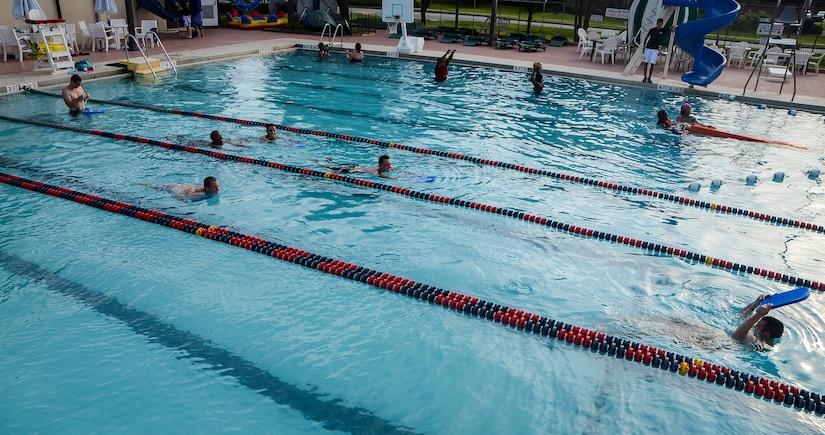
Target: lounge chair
(508, 42)
(424, 33)
(450, 38)
(533, 43)
(776, 73)
(473, 40)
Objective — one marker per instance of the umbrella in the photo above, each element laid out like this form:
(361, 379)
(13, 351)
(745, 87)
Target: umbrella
(105, 7)
(21, 8)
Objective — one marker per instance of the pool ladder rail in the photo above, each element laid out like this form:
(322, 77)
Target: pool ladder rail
(333, 34)
(148, 64)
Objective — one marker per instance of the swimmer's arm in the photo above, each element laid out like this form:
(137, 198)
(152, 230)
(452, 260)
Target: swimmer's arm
(744, 312)
(742, 331)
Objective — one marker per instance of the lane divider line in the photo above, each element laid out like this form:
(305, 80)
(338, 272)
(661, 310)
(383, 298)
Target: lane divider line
(606, 185)
(659, 249)
(595, 341)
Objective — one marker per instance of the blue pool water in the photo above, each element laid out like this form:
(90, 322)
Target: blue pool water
(113, 324)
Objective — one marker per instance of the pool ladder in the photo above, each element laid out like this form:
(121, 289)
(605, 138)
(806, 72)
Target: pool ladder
(333, 34)
(142, 53)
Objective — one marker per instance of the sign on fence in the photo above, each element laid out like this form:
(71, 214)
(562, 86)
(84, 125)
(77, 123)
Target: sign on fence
(616, 13)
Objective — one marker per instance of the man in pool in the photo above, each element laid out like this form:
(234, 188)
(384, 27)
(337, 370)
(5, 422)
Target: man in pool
(384, 166)
(192, 192)
(759, 328)
(74, 96)
(271, 134)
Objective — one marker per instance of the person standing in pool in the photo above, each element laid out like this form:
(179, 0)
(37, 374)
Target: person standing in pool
(323, 51)
(356, 56)
(684, 116)
(536, 78)
(759, 328)
(441, 66)
(74, 96)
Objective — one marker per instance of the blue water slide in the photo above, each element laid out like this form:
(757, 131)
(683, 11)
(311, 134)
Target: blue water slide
(690, 37)
(155, 7)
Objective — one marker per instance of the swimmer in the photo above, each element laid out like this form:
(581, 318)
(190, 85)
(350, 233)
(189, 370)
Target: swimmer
(759, 328)
(384, 166)
(356, 56)
(217, 141)
(685, 117)
(323, 51)
(536, 78)
(185, 191)
(665, 122)
(74, 96)
(441, 65)
(271, 134)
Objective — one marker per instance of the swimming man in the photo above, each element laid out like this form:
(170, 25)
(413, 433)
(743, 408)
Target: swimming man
(74, 96)
(759, 328)
(384, 166)
(441, 66)
(271, 134)
(192, 192)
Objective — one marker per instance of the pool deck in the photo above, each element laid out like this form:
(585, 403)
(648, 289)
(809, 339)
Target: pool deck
(223, 43)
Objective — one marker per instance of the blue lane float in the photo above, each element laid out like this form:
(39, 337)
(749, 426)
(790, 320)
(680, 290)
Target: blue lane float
(618, 188)
(651, 247)
(594, 341)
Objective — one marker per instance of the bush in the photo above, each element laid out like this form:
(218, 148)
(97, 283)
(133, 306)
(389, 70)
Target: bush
(747, 22)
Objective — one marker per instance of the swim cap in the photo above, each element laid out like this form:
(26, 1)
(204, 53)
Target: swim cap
(685, 106)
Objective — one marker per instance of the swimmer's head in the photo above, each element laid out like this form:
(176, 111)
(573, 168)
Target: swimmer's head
(537, 65)
(76, 79)
(357, 46)
(685, 108)
(216, 137)
(662, 114)
(211, 185)
(770, 329)
(271, 131)
(384, 163)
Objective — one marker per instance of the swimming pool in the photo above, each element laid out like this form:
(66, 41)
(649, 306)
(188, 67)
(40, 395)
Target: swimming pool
(211, 337)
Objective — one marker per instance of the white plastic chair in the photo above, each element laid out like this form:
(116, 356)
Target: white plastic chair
(737, 53)
(608, 32)
(608, 48)
(85, 33)
(142, 32)
(814, 61)
(773, 54)
(101, 35)
(584, 42)
(71, 36)
(12, 44)
(801, 60)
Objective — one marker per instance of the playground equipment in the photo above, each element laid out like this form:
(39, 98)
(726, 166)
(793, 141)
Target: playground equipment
(401, 11)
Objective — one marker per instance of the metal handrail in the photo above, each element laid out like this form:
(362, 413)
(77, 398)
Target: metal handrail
(332, 34)
(157, 39)
(146, 59)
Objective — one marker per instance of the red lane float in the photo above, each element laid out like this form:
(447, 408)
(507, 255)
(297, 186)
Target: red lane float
(715, 132)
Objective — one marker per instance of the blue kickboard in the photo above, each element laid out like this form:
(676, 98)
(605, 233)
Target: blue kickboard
(798, 294)
(92, 111)
(423, 178)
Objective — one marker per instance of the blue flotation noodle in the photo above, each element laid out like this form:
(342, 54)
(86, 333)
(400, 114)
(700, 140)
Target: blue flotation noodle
(92, 111)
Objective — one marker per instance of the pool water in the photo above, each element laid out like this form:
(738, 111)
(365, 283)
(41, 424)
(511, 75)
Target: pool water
(113, 324)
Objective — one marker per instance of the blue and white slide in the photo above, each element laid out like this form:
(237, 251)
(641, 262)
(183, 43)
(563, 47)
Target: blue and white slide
(798, 294)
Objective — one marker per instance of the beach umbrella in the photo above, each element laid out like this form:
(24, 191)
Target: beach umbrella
(21, 8)
(105, 7)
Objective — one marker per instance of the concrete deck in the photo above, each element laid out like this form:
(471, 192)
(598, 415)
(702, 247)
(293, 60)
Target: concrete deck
(222, 43)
